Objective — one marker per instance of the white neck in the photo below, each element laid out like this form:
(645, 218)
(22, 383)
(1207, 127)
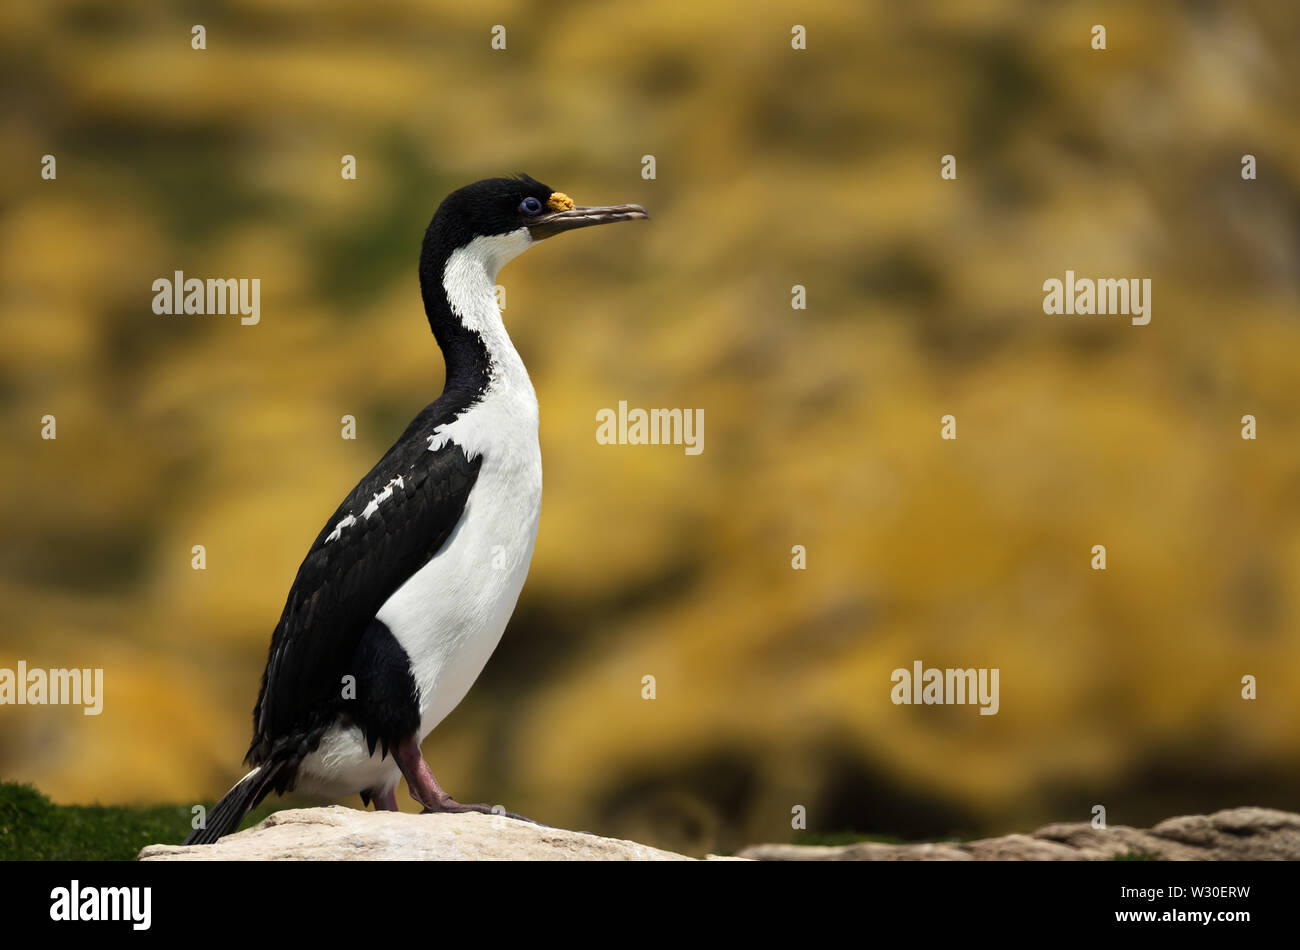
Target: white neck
(503, 423)
(469, 281)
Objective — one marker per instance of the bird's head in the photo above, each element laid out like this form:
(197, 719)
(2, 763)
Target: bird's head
(502, 217)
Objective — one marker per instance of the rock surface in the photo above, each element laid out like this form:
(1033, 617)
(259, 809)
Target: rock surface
(1235, 834)
(348, 834)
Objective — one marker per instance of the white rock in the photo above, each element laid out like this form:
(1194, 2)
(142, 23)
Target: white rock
(349, 834)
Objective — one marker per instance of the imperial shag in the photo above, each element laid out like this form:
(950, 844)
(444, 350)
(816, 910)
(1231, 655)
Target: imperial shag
(407, 589)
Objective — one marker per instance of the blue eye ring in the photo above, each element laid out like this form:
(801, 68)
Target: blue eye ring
(530, 206)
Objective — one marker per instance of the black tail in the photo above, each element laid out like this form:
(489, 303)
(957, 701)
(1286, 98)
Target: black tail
(235, 804)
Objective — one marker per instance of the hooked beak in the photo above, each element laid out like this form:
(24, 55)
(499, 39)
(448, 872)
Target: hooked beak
(572, 218)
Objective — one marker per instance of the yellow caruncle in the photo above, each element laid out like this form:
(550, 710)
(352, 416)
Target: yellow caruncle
(559, 201)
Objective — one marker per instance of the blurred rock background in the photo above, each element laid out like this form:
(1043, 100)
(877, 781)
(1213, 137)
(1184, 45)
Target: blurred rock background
(775, 168)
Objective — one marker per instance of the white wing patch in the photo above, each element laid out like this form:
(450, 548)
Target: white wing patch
(369, 510)
(383, 496)
(334, 535)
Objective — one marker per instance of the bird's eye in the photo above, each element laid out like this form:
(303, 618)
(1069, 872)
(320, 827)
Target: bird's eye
(530, 205)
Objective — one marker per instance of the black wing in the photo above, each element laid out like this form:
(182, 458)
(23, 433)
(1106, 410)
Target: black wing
(345, 579)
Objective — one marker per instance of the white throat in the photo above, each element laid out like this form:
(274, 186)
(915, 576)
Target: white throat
(509, 405)
(469, 281)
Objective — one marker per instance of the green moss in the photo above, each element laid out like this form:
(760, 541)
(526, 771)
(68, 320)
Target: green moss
(32, 828)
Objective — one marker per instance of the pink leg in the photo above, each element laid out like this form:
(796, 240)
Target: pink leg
(425, 788)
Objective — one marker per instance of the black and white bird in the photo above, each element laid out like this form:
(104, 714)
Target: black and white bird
(408, 588)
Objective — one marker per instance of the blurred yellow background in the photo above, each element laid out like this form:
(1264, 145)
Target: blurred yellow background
(775, 167)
